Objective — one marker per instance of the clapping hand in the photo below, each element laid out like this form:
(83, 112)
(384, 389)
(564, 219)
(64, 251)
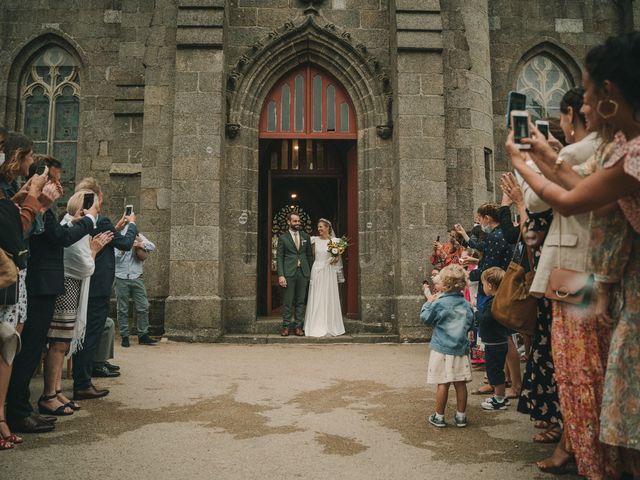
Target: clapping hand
(50, 193)
(99, 241)
(511, 188)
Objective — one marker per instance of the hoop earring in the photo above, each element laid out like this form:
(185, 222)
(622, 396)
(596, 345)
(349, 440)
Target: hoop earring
(610, 114)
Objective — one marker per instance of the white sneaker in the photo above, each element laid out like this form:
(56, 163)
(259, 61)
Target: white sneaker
(433, 420)
(493, 404)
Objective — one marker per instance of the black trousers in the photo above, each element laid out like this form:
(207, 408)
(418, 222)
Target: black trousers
(97, 311)
(34, 338)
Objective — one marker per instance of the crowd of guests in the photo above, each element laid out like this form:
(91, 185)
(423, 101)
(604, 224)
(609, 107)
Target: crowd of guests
(576, 196)
(57, 276)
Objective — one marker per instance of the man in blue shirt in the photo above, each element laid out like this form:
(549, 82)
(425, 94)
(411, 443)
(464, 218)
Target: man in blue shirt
(130, 284)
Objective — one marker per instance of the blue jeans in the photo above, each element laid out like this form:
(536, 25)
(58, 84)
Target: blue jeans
(133, 288)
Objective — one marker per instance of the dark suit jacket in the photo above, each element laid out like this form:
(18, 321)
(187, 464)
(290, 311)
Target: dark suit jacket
(105, 271)
(45, 267)
(288, 255)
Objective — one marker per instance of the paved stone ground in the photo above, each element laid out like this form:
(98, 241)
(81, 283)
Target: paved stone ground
(203, 411)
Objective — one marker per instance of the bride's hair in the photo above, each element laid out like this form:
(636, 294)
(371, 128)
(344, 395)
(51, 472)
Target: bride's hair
(328, 224)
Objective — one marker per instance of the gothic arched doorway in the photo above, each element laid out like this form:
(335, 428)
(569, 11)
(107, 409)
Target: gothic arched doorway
(308, 164)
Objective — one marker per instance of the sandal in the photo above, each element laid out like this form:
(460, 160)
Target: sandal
(514, 395)
(541, 424)
(560, 469)
(71, 403)
(480, 391)
(5, 444)
(11, 438)
(58, 412)
(551, 435)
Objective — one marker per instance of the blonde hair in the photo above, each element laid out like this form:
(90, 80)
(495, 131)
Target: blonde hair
(89, 183)
(75, 202)
(453, 278)
(493, 276)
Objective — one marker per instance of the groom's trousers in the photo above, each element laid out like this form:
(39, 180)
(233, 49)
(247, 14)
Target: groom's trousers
(295, 295)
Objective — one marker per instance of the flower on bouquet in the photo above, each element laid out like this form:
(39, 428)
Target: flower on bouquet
(338, 246)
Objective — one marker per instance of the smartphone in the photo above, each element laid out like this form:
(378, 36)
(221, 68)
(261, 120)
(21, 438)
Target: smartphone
(128, 210)
(87, 202)
(40, 169)
(520, 122)
(515, 101)
(543, 126)
(438, 238)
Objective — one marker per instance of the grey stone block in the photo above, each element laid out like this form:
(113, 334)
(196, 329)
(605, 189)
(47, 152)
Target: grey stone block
(419, 21)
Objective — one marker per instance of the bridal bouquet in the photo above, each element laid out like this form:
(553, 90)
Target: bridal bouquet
(338, 247)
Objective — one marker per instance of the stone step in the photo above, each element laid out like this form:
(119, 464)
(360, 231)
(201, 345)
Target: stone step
(272, 338)
(272, 325)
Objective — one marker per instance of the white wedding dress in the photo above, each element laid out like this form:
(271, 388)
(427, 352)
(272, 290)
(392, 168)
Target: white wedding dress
(324, 315)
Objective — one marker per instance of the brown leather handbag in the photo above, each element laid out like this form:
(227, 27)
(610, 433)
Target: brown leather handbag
(8, 269)
(512, 306)
(565, 285)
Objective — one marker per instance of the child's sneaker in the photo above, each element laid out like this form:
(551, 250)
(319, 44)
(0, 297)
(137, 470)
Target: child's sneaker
(437, 422)
(460, 422)
(493, 404)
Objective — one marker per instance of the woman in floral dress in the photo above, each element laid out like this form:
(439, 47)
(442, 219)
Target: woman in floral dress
(611, 81)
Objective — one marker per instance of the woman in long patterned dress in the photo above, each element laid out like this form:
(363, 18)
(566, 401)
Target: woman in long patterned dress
(19, 209)
(611, 81)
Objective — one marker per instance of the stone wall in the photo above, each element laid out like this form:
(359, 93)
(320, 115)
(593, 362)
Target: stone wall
(194, 308)
(420, 190)
(126, 50)
(469, 125)
(565, 29)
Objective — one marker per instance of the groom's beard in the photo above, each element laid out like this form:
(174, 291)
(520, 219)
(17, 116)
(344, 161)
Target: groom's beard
(297, 227)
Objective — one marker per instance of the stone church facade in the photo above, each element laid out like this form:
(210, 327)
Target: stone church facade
(213, 117)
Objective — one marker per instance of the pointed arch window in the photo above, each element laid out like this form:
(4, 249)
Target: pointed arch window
(50, 99)
(544, 81)
(309, 103)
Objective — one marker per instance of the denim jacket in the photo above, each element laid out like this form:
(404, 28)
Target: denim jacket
(451, 317)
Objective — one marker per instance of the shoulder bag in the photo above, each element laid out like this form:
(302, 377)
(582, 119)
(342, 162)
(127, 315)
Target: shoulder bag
(8, 269)
(565, 285)
(512, 306)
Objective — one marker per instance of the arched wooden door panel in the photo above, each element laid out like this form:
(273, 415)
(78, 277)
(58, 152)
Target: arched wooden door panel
(308, 103)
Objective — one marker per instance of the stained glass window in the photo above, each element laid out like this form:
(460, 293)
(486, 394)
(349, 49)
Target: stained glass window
(317, 103)
(286, 109)
(544, 82)
(331, 108)
(272, 121)
(51, 108)
(344, 117)
(299, 103)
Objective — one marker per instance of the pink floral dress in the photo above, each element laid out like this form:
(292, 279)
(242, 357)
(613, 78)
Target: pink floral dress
(620, 417)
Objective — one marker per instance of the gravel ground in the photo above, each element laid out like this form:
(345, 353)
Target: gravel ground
(213, 411)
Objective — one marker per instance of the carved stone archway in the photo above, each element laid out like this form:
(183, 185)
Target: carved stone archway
(328, 47)
(305, 40)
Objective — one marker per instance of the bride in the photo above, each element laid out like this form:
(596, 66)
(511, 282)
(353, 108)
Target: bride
(324, 315)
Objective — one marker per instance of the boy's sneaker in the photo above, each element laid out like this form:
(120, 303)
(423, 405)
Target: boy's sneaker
(433, 420)
(493, 404)
(507, 402)
(460, 422)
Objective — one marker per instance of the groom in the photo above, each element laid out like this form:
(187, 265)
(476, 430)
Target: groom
(294, 267)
